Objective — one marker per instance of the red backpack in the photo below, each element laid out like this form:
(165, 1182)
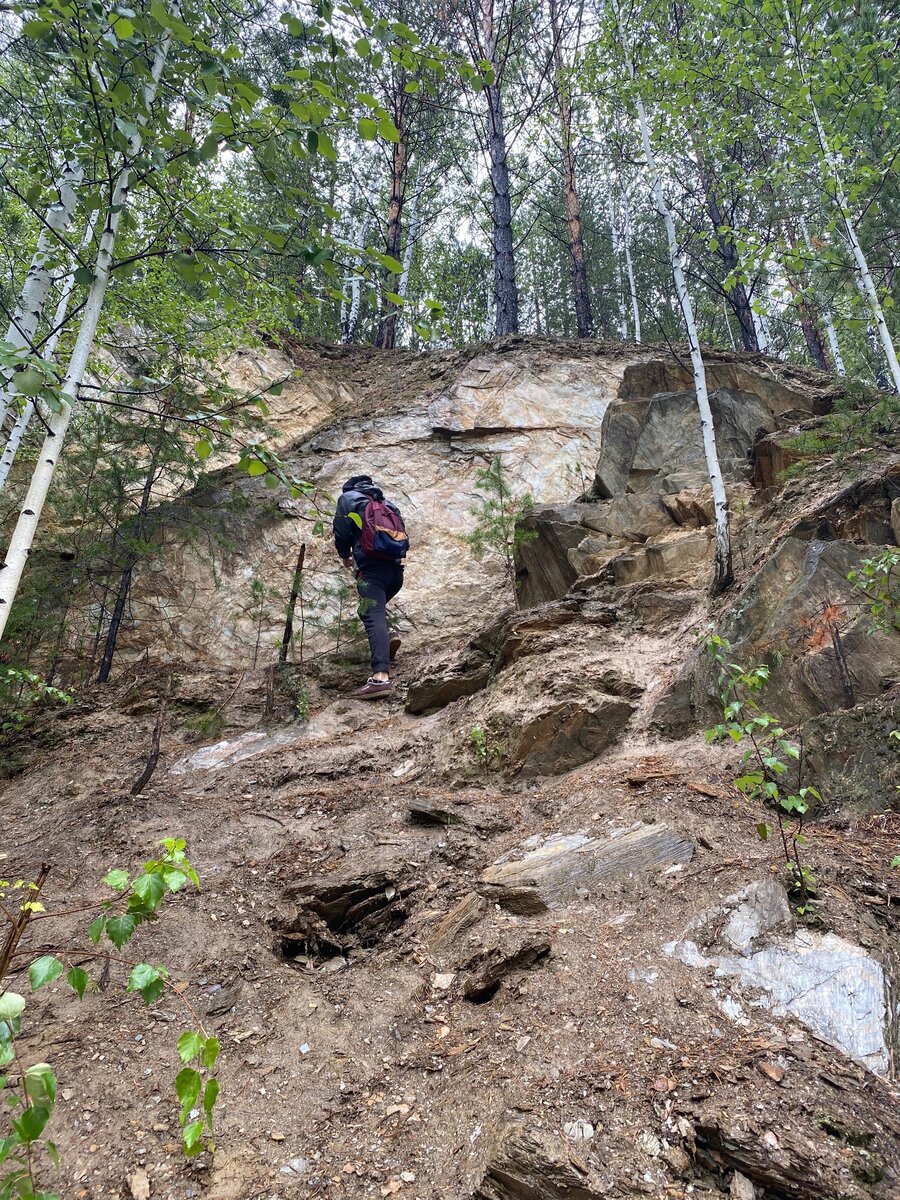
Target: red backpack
(383, 532)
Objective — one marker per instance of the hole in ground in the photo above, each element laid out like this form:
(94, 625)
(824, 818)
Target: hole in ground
(333, 920)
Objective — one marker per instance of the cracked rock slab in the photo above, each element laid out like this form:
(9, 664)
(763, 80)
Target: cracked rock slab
(567, 867)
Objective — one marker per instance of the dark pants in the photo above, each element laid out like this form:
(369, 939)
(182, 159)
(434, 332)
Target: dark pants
(377, 582)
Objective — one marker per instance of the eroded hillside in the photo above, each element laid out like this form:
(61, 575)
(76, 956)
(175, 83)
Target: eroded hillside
(551, 961)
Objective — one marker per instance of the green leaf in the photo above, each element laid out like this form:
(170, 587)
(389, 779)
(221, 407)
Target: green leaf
(255, 467)
(189, 1045)
(210, 1095)
(30, 381)
(44, 970)
(362, 48)
(32, 1123)
(368, 130)
(174, 880)
(11, 1006)
(117, 880)
(210, 1053)
(355, 518)
(191, 1136)
(388, 130)
(123, 27)
(187, 1087)
(148, 980)
(84, 275)
(95, 929)
(150, 888)
(78, 980)
(764, 830)
(37, 29)
(120, 928)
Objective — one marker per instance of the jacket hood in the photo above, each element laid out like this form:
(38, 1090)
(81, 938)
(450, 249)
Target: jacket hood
(363, 484)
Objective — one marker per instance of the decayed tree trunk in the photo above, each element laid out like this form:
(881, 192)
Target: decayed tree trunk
(574, 227)
(30, 514)
(506, 293)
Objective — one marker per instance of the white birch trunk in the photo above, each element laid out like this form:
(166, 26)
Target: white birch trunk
(728, 326)
(23, 535)
(827, 319)
(349, 320)
(626, 244)
(415, 223)
(614, 233)
(11, 449)
(723, 574)
(30, 307)
(759, 326)
(866, 282)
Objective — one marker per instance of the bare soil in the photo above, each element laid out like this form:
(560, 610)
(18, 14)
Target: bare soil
(380, 1082)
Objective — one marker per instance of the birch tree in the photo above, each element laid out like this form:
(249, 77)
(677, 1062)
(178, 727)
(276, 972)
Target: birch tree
(723, 573)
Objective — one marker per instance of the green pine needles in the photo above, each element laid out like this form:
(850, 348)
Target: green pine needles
(497, 519)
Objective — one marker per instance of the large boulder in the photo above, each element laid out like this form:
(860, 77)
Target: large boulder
(543, 718)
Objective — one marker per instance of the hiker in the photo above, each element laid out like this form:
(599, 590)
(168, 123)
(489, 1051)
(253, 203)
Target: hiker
(371, 540)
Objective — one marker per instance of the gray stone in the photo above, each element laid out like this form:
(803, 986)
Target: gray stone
(619, 436)
(446, 682)
(833, 987)
(551, 874)
(743, 919)
(528, 1163)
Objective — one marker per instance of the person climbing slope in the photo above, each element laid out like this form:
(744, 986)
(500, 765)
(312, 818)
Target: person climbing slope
(371, 539)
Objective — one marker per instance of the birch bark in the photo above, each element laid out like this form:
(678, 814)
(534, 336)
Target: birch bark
(30, 514)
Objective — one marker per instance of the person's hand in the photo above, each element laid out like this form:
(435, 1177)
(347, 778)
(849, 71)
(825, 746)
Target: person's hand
(348, 562)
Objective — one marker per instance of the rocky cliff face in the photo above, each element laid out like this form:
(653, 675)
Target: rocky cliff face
(423, 425)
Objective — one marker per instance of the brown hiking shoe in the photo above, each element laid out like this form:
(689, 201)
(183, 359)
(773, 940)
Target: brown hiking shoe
(373, 689)
(395, 644)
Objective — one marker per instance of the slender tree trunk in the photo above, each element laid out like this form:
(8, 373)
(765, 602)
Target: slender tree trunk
(386, 334)
(866, 282)
(30, 308)
(620, 295)
(574, 227)
(350, 317)
(506, 292)
(124, 588)
(23, 534)
(11, 449)
(415, 225)
(736, 294)
(296, 584)
(629, 266)
(828, 320)
(723, 574)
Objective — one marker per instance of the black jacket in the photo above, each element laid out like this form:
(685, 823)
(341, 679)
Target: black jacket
(354, 498)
